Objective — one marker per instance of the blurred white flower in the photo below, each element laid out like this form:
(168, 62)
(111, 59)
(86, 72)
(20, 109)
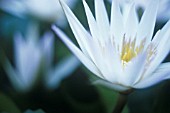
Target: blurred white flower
(27, 63)
(32, 55)
(121, 52)
(163, 11)
(47, 10)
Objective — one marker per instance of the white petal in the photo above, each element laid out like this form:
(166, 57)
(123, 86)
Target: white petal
(110, 85)
(162, 32)
(163, 48)
(78, 30)
(102, 19)
(134, 70)
(147, 23)
(91, 21)
(161, 73)
(87, 62)
(157, 38)
(131, 23)
(126, 6)
(117, 25)
(95, 34)
(112, 67)
(87, 43)
(84, 39)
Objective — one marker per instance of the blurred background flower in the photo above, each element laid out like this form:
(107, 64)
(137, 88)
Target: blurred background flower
(164, 6)
(34, 56)
(27, 60)
(44, 10)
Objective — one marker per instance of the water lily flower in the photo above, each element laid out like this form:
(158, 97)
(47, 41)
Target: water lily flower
(163, 11)
(123, 53)
(29, 53)
(28, 57)
(42, 9)
(32, 55)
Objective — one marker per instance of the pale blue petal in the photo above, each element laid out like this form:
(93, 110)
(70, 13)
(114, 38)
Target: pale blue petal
(24, 51)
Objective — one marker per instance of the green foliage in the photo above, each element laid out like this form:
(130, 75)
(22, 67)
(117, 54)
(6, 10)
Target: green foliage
(7, 105)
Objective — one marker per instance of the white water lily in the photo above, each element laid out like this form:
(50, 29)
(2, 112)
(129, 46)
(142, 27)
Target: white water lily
(163, 11)
(123, 53)
(29, 54)
(33, 55)
(47, 10)
(27, 60)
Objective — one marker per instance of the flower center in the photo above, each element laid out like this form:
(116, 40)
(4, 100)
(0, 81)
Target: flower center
(130, 50)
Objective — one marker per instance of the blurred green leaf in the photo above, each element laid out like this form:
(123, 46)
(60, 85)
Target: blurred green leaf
(109, 98)
(144, 100)
(81, 96)
(7, 105)
(125, 110)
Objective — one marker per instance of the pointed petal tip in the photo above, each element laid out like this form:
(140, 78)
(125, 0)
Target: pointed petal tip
(55, 29)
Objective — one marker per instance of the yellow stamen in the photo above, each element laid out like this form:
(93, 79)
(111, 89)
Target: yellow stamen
(130, 50)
